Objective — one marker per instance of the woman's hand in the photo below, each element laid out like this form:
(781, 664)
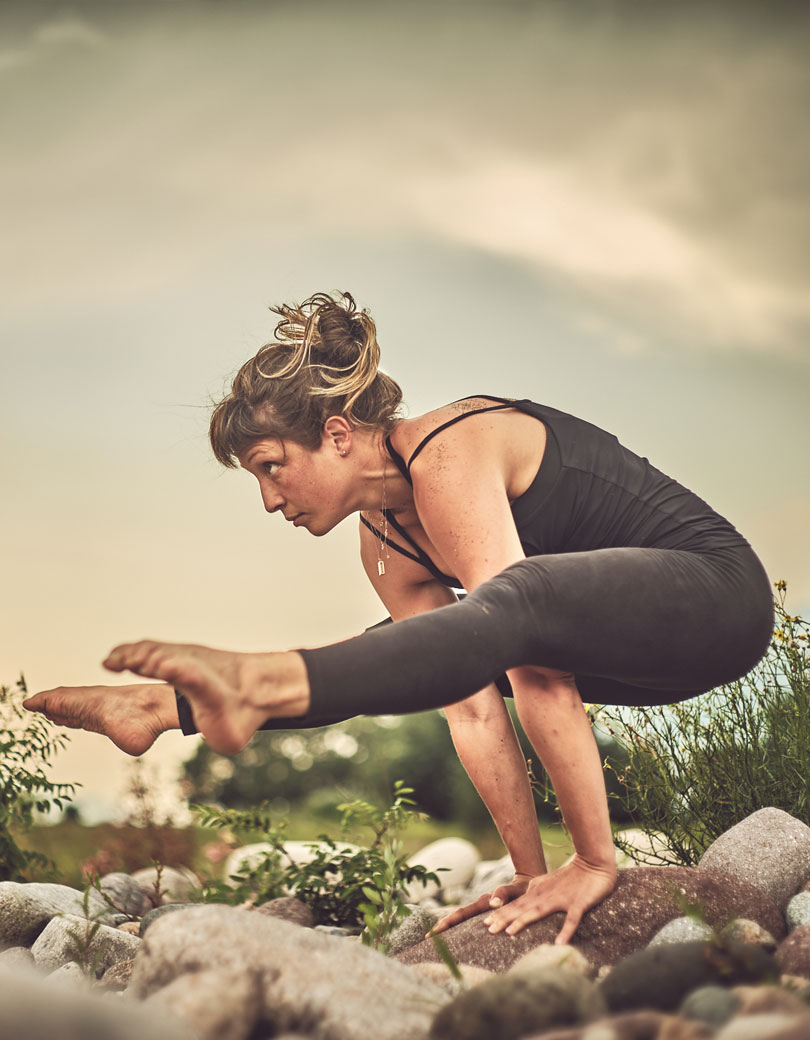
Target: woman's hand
(573, 888)
(489, 901)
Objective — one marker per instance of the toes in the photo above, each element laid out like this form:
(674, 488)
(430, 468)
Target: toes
(141, 657)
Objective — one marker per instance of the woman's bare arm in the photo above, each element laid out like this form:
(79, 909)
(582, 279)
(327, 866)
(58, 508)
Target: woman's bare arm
(462, 503)
(481, 727)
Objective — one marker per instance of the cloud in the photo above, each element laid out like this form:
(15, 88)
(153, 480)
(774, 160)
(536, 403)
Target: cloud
(609, 241)
(63, 32)
(650, 168)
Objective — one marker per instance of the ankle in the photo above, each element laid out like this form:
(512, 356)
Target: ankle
(277, 684)
(160, 700)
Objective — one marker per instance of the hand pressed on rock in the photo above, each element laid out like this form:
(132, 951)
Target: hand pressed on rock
(573, 889)
(488, 901)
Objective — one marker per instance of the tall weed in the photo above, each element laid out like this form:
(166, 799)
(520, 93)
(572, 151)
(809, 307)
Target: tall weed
(696, 768)
(28, 743)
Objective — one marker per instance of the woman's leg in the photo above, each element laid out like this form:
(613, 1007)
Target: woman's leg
(655, 619)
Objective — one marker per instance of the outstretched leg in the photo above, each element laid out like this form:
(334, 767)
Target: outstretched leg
(655, 619)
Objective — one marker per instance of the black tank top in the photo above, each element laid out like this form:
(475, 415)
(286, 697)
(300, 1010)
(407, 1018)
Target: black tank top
(589, 493)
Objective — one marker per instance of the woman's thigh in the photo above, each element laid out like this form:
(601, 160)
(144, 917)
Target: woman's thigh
(630, 621)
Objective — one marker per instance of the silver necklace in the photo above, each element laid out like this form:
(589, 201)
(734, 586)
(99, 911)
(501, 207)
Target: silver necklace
(383, 542)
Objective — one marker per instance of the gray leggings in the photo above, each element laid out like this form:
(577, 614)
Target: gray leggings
(634, 626)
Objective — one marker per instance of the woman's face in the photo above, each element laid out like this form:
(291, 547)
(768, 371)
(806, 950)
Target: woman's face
(309, 487)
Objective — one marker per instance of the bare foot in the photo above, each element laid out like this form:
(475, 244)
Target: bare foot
(133, 717)
(231, 694)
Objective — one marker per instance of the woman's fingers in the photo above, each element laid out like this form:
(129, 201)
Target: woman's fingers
(462, 914)
(489, 901)
(572, 889)
(566, 933)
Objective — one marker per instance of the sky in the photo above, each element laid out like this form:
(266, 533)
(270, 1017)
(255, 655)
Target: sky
(601, 206)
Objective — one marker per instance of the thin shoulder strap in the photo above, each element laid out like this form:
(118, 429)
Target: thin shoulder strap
(450, 422)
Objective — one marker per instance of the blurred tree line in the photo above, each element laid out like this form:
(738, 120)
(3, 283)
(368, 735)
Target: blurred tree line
(317, 769)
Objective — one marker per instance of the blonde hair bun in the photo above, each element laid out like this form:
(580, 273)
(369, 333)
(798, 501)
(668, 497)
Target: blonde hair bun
(323, 361)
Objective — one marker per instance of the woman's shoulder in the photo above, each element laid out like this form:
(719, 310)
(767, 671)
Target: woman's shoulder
(417, 426)
(489, 425)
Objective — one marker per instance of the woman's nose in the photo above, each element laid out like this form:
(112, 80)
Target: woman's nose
(272, 500)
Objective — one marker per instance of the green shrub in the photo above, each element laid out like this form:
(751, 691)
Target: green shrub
(27, 745)
(694, 769)
(344, 886)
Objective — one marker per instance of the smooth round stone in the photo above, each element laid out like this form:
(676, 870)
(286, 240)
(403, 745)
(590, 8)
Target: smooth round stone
(126, 896)
(713, 1005)
(681, 930)
(798, 911)
(411, 930)
(161, 911)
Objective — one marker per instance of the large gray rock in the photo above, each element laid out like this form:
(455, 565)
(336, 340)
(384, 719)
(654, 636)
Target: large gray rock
(71, 938)
(644, 900)
(769, 849)
(660, 977)
(25, 909)
(326, 987)
(34, 1008)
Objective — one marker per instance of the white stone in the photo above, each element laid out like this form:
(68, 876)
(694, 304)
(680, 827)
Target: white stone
(763, 1027)
(681, 929)
(248, 857)
(177, 885)
(25, 909)
(69, 938)
(489, 875)
(69, 974)
(550, 956)
(798, 911)
(453, 859)
(648, 849)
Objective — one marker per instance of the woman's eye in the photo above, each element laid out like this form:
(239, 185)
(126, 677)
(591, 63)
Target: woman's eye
(270, 468)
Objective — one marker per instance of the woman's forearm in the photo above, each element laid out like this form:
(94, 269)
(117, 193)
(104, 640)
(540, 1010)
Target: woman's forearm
(560, 731)
(486, 743)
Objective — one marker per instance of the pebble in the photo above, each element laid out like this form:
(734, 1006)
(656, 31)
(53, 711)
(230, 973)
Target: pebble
(713, 1005)
(680, 930)
(798, 911)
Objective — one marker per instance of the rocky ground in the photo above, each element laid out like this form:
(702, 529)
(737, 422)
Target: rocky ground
(638, 969)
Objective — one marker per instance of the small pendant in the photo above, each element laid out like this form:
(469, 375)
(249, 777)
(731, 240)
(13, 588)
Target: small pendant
(380, 568)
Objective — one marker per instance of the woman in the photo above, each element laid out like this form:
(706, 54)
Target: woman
(590, 576)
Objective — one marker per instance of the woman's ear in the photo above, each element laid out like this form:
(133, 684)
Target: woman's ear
(337, 434)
